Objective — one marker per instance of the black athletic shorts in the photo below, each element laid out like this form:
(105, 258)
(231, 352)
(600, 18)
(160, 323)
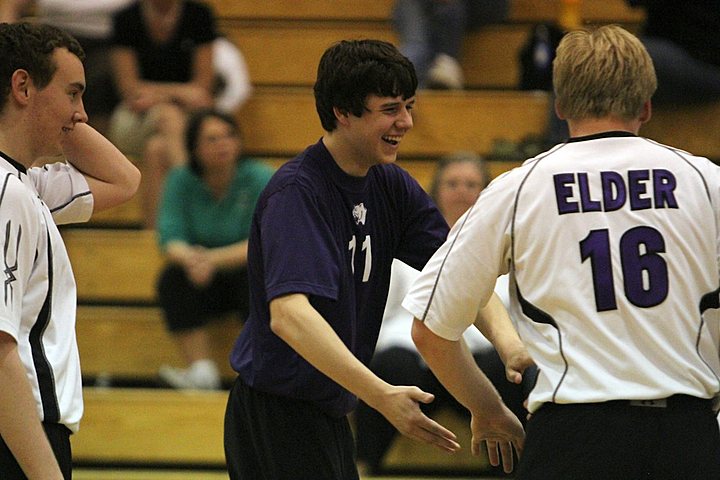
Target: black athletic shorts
(268, 437)
(673, 439)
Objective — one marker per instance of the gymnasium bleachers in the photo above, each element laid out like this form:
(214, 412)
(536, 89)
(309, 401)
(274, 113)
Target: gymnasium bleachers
(120, 333)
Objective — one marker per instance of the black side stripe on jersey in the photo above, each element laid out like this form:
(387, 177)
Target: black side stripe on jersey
(710, 300)
(44, 372)
(60, 207)
(532, 312)
(539, 316)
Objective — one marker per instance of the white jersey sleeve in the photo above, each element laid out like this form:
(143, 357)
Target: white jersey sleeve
(64, 190)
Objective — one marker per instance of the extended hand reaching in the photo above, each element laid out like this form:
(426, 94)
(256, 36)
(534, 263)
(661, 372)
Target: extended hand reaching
(400, 405)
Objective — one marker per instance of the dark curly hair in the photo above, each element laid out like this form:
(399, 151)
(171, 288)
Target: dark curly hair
(350, 70)
(29, 47)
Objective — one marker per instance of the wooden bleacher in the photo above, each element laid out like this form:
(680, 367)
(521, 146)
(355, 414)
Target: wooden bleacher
(124, 344)
(271, 32)
(282, 121)
(150, 426)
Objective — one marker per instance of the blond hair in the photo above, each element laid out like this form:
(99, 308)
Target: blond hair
(601, 73)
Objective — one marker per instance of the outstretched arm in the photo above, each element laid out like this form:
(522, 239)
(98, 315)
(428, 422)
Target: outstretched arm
(295, 321)
(492, 422)
(112, 178)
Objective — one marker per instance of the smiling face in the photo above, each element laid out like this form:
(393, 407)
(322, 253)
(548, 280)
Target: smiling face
(376, 135)
(57, 107)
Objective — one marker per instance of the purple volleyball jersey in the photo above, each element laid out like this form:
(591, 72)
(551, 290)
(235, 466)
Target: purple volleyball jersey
(321, 232)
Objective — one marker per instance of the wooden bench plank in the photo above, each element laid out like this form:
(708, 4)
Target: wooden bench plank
(130, 216)
(131, 343)
(691, 127)
(151, 474)
(114, 265)
(489, 60)
(424, 170)
(151, 426)
(521, 11)
(283, 121)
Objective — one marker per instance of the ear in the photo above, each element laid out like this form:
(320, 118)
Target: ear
(558, 112)
(341, 116)
(20, 85)
(646, 113)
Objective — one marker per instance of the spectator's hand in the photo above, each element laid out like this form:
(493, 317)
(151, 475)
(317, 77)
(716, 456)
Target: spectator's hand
(501, 433)
(144, 98)
(401, 408)
(198, 268)
(193, 97)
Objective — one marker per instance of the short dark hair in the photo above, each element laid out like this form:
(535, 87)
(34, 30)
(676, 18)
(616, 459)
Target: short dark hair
(350, 70)
(30, 46)
(192, 133)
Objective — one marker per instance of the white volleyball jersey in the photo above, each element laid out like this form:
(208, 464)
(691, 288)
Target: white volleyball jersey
(38, 302)
(612, 245)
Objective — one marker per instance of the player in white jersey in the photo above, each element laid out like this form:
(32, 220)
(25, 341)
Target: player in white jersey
(611, 241)
(42, 115)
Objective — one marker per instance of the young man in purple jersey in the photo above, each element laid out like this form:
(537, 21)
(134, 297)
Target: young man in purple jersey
(323, 237)
(611, 241)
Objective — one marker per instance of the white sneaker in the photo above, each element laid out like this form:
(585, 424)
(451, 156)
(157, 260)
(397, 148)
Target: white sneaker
(201, 375)
(446, 73)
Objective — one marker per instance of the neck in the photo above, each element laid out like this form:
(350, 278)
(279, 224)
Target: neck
(14, 141)
(219, 179)
(161, 7)
(591, 126)
(345, 156)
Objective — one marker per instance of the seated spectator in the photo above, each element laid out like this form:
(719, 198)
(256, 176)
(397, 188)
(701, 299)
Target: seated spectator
(682, 40)
(162, 58)
(90, 22)
(455, 187)
(203, 226)
(431, 34)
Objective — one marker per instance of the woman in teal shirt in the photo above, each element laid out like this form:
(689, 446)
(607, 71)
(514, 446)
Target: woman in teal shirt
(203, 225)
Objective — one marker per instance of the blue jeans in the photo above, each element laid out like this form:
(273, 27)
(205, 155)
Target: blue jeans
(427, 28)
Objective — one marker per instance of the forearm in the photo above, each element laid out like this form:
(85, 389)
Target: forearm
(112, 178)
(12, 10)
(494, 323)
(229, 256)
(20, 424)
(179, 252)
(188, 95)
(126, 74)
(453, 364)
(295, 321)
